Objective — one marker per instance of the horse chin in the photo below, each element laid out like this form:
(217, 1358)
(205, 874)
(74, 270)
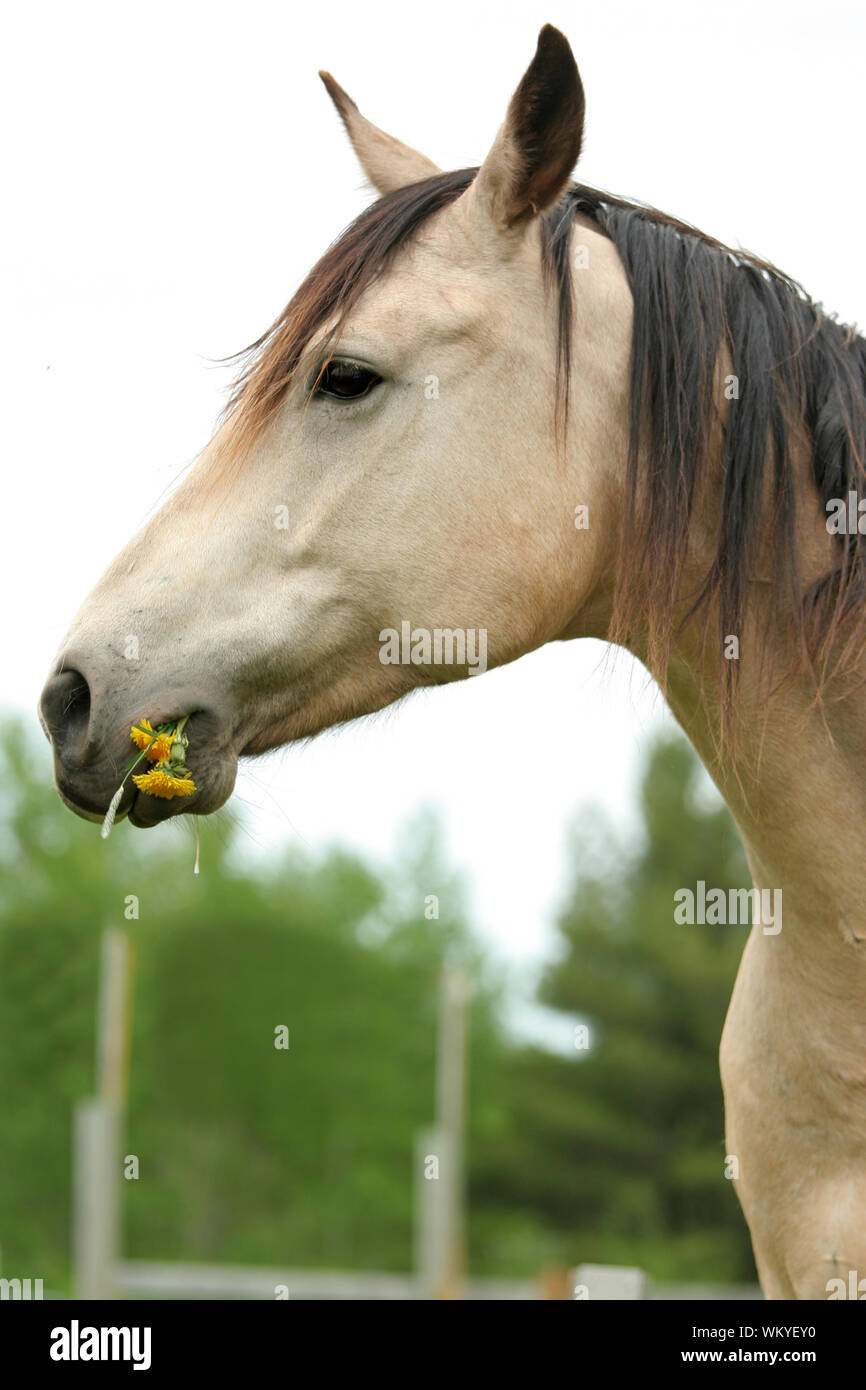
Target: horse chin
(95, 817)
(213, 790)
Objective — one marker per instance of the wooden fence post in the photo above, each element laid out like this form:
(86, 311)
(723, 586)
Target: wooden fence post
(98, 1127)
(96, 1198)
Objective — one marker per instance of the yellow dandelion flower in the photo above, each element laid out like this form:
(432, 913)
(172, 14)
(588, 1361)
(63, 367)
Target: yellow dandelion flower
(141, 733)
(160, 751)
(156, 745)
(160, 783)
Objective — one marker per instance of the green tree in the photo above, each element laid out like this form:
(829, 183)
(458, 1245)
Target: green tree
(619, 1149)
(247, 1152)
(250, 1153)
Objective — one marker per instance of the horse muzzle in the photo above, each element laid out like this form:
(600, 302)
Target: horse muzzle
(90, 735)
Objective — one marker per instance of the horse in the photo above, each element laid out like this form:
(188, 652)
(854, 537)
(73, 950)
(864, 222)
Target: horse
(503, 402)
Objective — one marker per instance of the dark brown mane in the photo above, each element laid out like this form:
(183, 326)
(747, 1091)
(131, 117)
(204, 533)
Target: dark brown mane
(796, 368)
(694, 298)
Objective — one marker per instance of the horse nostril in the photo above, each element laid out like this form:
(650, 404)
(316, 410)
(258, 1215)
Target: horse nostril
(65, 708)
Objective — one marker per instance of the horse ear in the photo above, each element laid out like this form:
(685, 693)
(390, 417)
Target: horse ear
(538, 145)
(387, 162)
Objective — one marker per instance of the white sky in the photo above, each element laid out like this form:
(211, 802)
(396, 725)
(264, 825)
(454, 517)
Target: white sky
(171, 173)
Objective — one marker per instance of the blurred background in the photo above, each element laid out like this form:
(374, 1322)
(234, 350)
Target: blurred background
(303, 1156)
(173, 175)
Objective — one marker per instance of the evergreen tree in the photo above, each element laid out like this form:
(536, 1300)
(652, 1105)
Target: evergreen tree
(621, 1146)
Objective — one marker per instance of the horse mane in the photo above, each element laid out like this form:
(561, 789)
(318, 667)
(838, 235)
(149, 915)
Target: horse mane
(796, 369)
(696, 301)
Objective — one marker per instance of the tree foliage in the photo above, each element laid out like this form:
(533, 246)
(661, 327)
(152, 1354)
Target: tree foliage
(250, 1153)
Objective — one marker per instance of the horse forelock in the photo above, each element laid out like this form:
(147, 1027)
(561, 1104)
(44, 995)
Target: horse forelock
(350, 266)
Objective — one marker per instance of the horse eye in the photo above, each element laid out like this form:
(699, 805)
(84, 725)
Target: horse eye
(346, 381)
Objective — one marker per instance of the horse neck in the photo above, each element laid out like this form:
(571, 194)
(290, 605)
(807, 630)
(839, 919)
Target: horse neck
(794, 778)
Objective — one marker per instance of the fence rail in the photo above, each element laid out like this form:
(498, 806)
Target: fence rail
(151, 1279)
(154, 1279)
